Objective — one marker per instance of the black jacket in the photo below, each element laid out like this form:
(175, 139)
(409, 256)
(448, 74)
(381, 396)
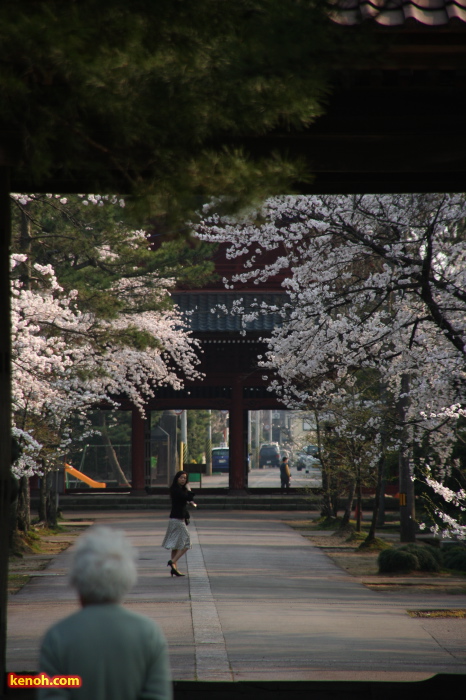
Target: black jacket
(180, 498)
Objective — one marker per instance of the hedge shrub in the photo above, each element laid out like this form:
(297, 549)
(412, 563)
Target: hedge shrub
(397, 560)
(409, 557)
(455, 557)
(430, 559)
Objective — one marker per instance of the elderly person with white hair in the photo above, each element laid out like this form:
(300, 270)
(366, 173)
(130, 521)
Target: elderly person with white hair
(118, 654)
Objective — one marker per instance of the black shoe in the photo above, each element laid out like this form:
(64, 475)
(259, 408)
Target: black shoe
(175, 572)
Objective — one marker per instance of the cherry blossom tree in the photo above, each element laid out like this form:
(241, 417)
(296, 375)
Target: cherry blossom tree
(94, 240)
(72, 353)
(373, 282)
(353, 439)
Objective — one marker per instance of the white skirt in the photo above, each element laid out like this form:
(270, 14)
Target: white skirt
(177, 535)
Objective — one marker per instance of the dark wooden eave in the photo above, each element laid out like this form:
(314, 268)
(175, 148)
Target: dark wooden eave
(395, 125)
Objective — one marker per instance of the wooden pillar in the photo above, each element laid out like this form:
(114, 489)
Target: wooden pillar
(237, 480)
(137, 451)
(5, 402)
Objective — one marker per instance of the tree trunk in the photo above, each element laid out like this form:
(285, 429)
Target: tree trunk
(51, 509)
(379, 496)
(23, 508)
(381, 507)
(43, 497)
(406, 483)
(358, 505)
(329, 507)
(348, 506)
(334, 495)
(328, 510)
(110, 452)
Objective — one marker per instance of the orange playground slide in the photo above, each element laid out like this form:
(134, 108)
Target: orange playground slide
(82, 477)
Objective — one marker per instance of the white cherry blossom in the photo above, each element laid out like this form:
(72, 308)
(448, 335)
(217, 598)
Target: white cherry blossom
(373, 282)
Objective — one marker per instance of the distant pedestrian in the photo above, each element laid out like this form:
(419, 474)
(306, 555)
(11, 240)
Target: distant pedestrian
(177, 536)
(118, 654)
(285, 475)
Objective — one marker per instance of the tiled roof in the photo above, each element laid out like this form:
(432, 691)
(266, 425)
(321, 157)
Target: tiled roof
(392, 13)
(214, 311)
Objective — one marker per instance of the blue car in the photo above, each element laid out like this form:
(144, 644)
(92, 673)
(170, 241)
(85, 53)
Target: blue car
(220, 459)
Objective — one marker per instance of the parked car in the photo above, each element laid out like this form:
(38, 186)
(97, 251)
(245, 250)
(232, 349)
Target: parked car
(220, 459)
(307, 457)
(269, 455)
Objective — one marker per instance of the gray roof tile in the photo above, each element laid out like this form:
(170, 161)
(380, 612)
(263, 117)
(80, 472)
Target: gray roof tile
(392, 13)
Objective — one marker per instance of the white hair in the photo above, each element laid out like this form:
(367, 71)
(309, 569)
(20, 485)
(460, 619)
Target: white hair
(104, 566)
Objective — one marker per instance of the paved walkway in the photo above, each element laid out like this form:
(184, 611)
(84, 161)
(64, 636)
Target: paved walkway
(259, 603)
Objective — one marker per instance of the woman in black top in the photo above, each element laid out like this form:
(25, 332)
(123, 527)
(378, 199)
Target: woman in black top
(177, 536)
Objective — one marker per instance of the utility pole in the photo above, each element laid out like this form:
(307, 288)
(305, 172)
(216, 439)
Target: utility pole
(257, 439)
(184, 438)
(209, 445)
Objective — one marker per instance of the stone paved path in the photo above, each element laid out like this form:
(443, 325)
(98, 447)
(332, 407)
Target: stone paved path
(260, 602)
